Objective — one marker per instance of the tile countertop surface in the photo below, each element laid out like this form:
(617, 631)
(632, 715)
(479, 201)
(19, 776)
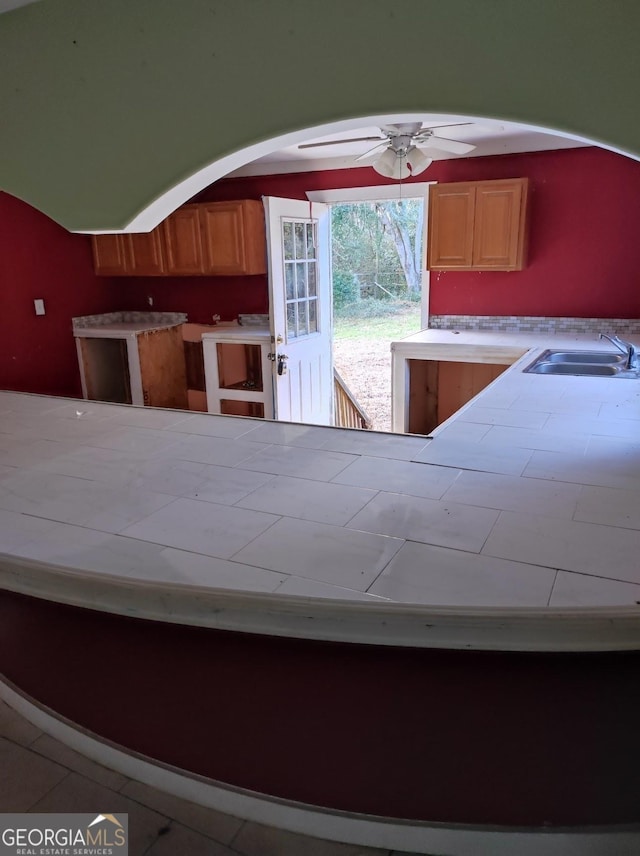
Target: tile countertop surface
(528, 497)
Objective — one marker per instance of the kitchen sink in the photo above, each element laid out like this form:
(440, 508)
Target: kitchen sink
(583, 357)
(582, 363)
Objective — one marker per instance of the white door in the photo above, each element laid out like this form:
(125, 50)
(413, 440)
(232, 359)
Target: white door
(300, 309)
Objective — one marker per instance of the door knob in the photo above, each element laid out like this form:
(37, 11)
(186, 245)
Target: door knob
(282, 369)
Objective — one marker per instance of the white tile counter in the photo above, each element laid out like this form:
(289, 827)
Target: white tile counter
(529, 498)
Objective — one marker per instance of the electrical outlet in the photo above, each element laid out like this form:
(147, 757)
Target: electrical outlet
(150, 300)
(39, 306)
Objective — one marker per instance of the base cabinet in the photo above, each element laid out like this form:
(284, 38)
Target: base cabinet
(436, 389)
(238, 372)
(146, 368)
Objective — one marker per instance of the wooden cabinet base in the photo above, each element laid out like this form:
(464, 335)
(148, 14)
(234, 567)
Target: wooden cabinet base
(437, 389)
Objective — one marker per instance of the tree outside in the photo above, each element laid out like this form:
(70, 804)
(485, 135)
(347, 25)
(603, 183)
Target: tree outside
(376, 258)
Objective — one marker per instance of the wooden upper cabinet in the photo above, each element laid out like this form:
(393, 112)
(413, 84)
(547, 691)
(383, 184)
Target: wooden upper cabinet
(183, 242)
(234, 237)
(110, 255)
(146, 253)
(212, 238)
(478, 225)
(451, 212)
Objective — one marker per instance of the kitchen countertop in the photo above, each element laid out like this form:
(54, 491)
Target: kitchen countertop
(526, 502)
(119, 325)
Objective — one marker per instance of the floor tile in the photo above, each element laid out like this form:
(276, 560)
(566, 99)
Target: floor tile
(604, 551)
(431, 521)
(325, 553)
(26, 777)
(407, 477)
(299, 462)
(257, 840)
(420, 573)
(178, 840)
(308, 500)
(398, 446)
(79, 794)
(50, 748)
(227, 484)
(201, 527)
(613, 507)
(514, 493)
(581, 590)
(207, 821)
(15, 727)
(475, 456)
(310, 588)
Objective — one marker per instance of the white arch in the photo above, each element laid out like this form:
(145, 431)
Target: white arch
(165, 204)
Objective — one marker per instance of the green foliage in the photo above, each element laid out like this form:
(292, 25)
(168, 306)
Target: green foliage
(370, 307)
(378, 244)
(346, 289)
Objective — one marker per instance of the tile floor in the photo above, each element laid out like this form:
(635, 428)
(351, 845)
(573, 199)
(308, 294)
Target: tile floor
(40, 774)
(529, 497)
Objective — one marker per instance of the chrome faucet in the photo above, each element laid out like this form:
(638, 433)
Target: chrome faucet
(629, 350)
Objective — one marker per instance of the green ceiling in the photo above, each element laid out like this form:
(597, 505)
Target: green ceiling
(106, 104)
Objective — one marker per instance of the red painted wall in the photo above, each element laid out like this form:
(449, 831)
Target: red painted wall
(583, 260)
(40, 259)
(585, 213)
(513, 739)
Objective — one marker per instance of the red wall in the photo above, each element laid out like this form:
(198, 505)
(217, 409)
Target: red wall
(585, 213)
(477, 737)
(39, 259)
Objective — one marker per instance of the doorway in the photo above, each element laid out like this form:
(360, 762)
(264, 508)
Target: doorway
(377, 249)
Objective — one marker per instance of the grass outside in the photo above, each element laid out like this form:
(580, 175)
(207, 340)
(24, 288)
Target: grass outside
(362, 355)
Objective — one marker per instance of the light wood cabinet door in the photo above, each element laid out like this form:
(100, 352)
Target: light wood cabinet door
(146, 253)
(234, 237)
(110, 255)
(498, 232)
(183, 242)
(478, 225)
(451, 214)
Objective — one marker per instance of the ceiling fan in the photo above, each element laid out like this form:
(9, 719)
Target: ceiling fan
(403, 150)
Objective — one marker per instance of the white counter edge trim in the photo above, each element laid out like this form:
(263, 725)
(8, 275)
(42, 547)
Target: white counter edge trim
(397, 624)
(364, 830)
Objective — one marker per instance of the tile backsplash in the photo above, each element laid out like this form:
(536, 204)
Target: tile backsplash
(534, 324)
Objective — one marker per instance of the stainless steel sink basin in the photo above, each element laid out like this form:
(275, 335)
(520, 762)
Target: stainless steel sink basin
(583, 357)
(582, 363)
(575, 369)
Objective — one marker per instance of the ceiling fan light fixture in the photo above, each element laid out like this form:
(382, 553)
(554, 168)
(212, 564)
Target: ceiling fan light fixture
(417, 162)
(392, 164)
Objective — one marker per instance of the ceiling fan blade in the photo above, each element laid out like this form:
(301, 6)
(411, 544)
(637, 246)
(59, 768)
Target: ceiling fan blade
(453, 146)
(373, 152)
(341, 142)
